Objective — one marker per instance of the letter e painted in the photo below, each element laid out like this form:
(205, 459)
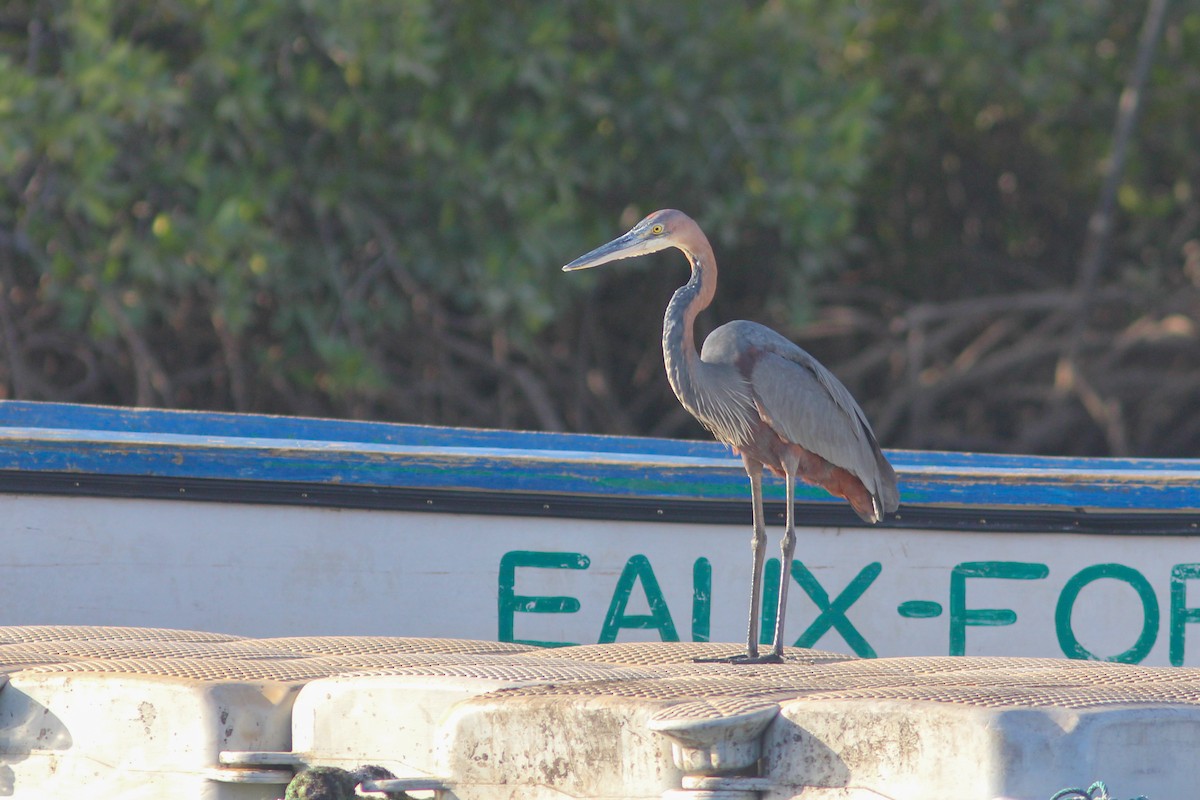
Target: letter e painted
(510, 603)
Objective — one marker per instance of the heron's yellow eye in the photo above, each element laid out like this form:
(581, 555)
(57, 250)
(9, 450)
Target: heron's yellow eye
(657, 229)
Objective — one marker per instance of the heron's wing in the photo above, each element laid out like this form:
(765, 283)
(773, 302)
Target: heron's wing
(805, 403)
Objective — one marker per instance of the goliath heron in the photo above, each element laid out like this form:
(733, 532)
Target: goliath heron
(759, 393)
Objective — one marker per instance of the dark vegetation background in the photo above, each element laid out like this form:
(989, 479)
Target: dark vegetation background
(359, 209)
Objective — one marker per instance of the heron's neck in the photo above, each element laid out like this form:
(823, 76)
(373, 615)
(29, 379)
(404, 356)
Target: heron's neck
(679, 339)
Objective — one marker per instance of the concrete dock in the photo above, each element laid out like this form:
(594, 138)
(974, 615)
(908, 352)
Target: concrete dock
(153, 713)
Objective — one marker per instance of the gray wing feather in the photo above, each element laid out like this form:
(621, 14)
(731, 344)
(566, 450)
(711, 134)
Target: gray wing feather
(805, 403)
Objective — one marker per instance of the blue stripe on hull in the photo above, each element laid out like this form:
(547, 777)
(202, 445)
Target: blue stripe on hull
(101, 441)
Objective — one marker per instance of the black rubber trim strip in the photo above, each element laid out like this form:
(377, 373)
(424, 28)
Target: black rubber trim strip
(531, 504)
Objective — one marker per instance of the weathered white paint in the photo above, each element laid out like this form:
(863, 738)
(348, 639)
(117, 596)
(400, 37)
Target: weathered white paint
(141, 713)
(264, 570)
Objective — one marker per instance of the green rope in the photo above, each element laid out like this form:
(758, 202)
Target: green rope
(1097, 791)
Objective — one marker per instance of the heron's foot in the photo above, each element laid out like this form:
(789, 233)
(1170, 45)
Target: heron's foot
(744, 658)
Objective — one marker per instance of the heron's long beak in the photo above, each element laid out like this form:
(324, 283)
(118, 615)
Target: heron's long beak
(627, 246)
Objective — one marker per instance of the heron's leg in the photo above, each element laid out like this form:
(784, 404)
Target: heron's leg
(758, 545)
(788, 549)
